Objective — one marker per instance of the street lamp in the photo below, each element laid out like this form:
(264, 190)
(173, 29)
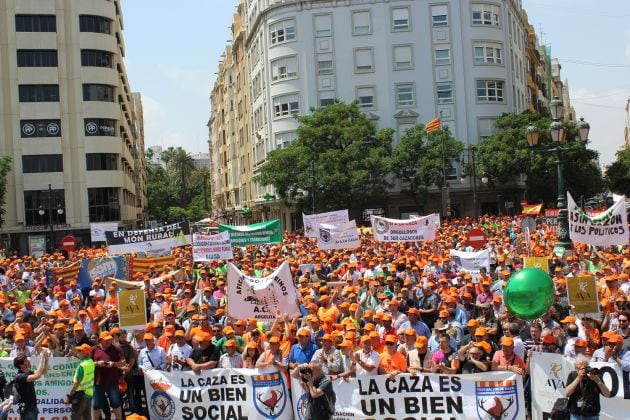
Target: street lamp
(558, 136)
(471, 153)
(42, 211)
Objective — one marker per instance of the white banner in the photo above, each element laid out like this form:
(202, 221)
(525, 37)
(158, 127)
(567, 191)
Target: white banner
(218, 394)
(471, 262)
(420, 228)
(492, 395)
(37, 245)
(252, 297)
(311, 221)
(343, 236)
(604, 229)
(212, 247)
(549, 382)
(97, 230)
(51, 389)
(154, 242)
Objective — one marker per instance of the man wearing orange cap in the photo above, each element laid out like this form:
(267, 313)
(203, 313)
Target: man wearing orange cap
(205, 356)
(302, 352)
(506, 359)
(178, 353)
(613, 352)
(152, 357)
(327, 356)
(392, 362)
(107, 359)
(231, 359)
(82, 390)
(273, 356)
(366, 358)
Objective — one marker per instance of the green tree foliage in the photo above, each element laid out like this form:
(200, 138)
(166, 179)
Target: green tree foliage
(506, 154)
(339, 151)
(618, 173)
(5, 168)
(418, 160)
(181, 166)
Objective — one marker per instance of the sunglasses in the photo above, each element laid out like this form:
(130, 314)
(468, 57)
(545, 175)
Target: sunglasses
(390, 344)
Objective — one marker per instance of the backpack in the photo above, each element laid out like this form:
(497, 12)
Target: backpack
(10, 390)
(560, 410)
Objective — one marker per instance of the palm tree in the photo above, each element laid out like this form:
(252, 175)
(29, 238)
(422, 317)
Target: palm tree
(200, 179)
(181, 165)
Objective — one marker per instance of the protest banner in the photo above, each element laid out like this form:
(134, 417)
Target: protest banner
(311, 221)
(256, 234)
(132, 309)
(344, 236)
(91, 268)
(212, 247)
(537, 262)
(412, 230)
(582, 293)
(259, 298)
(549, 373)
(68, 273)
(604, 229)
(143, 265)
(470, 262)
(218, 394)
(492, 395)
(126, 284)
(51, 389)
(97, 230)
(551, 219)
(149, 242)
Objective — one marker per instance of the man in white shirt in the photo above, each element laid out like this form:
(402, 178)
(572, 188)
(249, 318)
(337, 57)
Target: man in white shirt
(151, 357)
(178, 353)
(367, 359)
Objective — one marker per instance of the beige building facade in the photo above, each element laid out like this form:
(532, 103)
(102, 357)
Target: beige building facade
(68, 120)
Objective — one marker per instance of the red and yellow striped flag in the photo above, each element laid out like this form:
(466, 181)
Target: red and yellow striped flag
(433, 125)
(532, 209)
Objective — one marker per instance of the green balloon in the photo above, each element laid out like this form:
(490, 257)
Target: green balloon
(529, 293)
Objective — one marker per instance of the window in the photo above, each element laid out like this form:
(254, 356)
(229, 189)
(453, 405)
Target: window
(283, 31)
(488, 53)
(485, 14)
(103, 204)
(99, 127)
(284, 139)
(96, 92)
(39, 93)
(489, 91)
(32, 164)
(284, 68)
(442, 57)
(37, 58)
(405, 95)
(444, 91)
(40, 128)
(439, 15)
(323, 25)
(361, 22)
(486, 127)
(101, 161)
(96, 58)
(451, 173)
(286, 105)
(325, 64)
(35, 23)
(363, 60)
(98, 24)
(400, 19)
(402, 57)
(365, 96)
(34, 199)
(326, 98)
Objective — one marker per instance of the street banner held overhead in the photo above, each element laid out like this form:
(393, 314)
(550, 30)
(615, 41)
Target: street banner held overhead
(91, 268)
(132, 310)
(212, 247)
(549, 373)
(257, 234)
(97, 230)
(491, 395)
(470, 262)
(252, 297)
(394, 230)
(582, 293)
(311, 221)
(250, 394)
(344, 236)
(149, 242)
(604, 229)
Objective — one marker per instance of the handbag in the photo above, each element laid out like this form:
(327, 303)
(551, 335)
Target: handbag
(560, 410)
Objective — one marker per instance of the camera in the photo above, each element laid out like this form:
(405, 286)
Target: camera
(305, 371)
(590, 369)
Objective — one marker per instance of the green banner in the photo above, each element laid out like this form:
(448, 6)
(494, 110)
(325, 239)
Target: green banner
(256, 234)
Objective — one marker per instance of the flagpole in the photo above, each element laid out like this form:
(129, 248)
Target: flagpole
(445, 191)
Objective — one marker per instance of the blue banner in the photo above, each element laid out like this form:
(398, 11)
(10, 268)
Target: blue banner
(91, 268)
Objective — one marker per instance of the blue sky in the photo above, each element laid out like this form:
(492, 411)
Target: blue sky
(172, 54)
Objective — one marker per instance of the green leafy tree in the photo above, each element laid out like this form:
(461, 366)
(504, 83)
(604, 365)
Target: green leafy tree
(5, 168)
(181, 166)
(506, 154)
(418, 160)
(618, 173)
(338, 152)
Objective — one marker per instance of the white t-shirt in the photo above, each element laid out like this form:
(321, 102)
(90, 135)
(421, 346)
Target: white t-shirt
(371, 358)
(175, 353)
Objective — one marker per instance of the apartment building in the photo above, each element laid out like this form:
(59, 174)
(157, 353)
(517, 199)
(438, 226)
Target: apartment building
(405, 62)
(68, 120)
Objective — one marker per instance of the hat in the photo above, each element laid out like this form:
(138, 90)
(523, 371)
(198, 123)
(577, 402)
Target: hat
(439, 325)
(413, 311)
(251, 345)
(607, 334)
(346, 343)
(497, 299)
(421, 342)
(19, 337)
(387, 317)
(326, 337)
(480, 332)
(148, 336)
(273, 340)
(180, 333)
(240, 323)
(568, 320)
(410, 331)
(444, 314)
(549, 339)
(105, 335)
(616, 338)
(394, 302)
(366, 338)
(78, 327)
(303, 332)
(580, 343)
(473, 323)
(228, 330)
(85, 348)
(391, 339)
(507, 341)
(203, 336)
(230, 343)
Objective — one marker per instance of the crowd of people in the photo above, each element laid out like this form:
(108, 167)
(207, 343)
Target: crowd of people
(386, 308)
